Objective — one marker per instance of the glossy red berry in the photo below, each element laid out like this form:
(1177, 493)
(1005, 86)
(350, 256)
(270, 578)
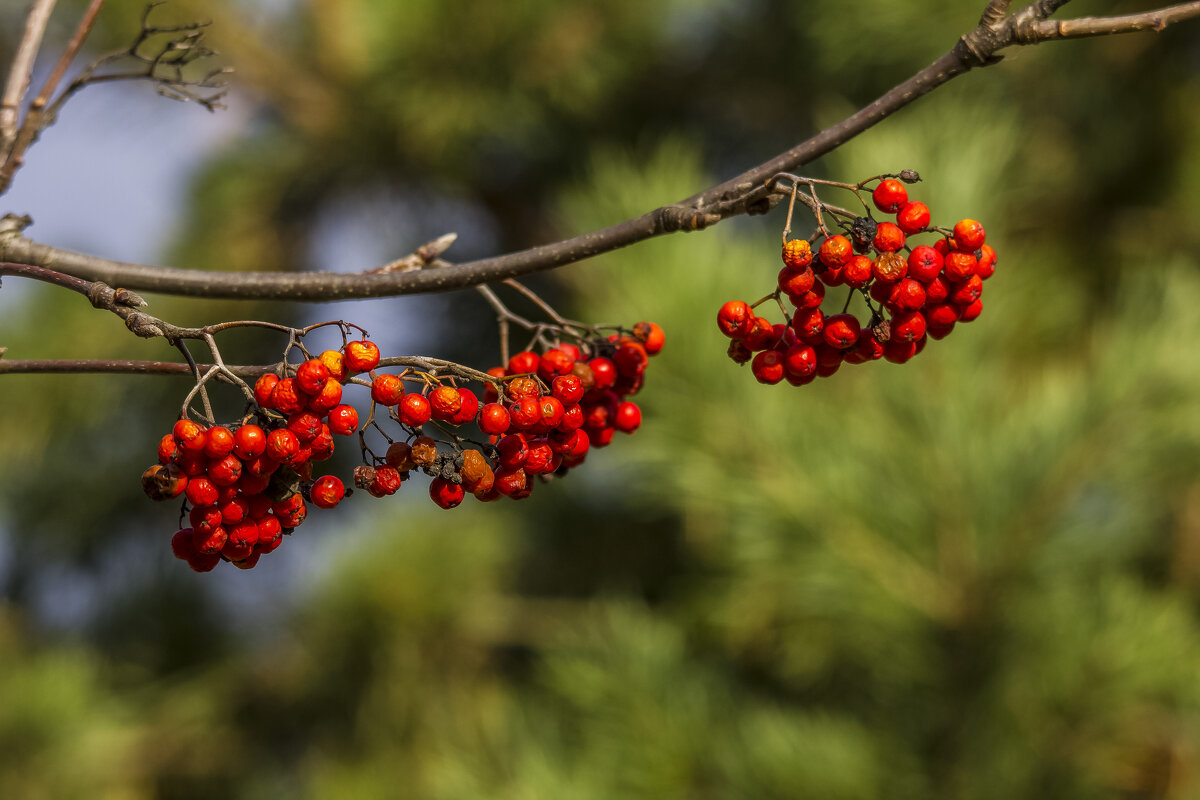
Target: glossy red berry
(959, 265)
(524, 362)
(888, 238)
(924, 263)
(913, 218)
(628, 417)
(360, 356)
(311, 376)
(249, 441)
(415, 410)
(327, 492)
(219, 442)
(282, 446)
(445, 493)
(201, 491)
(190, 435)
(444, 402)
(767, 367)
(468, 407)
(734, 319)
(800, 360)
(968, 234)
(263, 388)
(494, 419)
(604, 371)
(387, 389)
(835, 251)
(858, 272)
(841, 331)
(890, 195)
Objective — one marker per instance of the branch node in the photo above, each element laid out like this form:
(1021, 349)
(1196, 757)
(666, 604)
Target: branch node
(144, 325)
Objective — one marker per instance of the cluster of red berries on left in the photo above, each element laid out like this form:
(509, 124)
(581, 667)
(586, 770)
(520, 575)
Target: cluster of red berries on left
(247, 484)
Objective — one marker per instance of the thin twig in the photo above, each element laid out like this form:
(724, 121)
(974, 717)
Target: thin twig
(32, 123)
(21, 72)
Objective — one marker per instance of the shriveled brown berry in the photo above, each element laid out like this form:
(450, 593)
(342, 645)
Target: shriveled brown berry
(423, 451)
(399, 455)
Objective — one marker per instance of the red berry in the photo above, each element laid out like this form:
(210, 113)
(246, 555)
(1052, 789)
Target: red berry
(514, 450)
(631, 358)
(890, 267)
(890, 195)
(288, 398)
(263, 388)
(524, 362)
(841, 331)
(958, 265)
(327, 398)
(182, 545)
(767, 367)
(793, 281)
(968, 234)
(282, 446)
(327, 492)
(808, 324)
(360, 356)
(444, 402)
(219, 442)
(941, 315)
(972, 311)
(800, 360)
(249, 441)
(966, 292)
(888, 238)
(924, 263)
(836, 251)
(269, 527)
(734, 319)
(650, 335)
(986, 266)
(510, 482)
(306, 425)
(810, 299)
(628, 417)
(493, 419)
(210, 542)
(525, 413)
(168, 449)
(604, 371)
(908, 326)
(201, 491)
(311, 376)
(190, 435)
(415, 410)
(907, 295)
(567, 388)
(225, 471)
(552, 411)
(387, 389)
(857, 272)
(913, 218)
(554, 362)
(445, 493)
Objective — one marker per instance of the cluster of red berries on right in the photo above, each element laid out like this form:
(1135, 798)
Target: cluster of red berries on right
(922, 292)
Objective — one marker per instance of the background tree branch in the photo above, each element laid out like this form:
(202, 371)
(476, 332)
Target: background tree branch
(754, 191)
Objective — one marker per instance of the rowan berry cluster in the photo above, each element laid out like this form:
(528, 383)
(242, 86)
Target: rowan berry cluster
(247, 484)
(912, 293)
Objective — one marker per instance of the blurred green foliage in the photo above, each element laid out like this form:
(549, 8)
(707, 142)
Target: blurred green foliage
(973, 576)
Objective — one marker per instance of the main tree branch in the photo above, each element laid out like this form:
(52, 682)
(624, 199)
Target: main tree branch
(754, 191)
